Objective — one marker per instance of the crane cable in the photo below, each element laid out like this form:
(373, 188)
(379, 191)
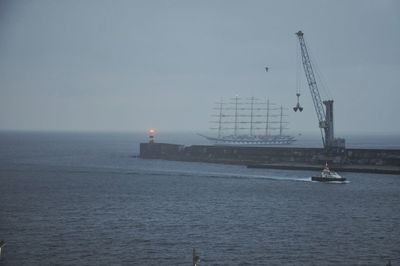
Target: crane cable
(298, 68)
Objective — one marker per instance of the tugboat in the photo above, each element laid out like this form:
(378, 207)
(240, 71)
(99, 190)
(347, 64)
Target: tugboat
(328, 176)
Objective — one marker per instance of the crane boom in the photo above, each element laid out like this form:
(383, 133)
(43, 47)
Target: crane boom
(325, 115)
(312, 83)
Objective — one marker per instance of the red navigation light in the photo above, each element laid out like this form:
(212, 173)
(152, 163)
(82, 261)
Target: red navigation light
(151, 132)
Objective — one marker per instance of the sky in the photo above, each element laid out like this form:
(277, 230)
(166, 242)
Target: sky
(97, 65)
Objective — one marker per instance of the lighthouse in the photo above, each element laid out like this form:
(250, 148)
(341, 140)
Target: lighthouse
(151, 133)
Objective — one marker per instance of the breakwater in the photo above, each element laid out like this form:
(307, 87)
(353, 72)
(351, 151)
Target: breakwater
(385, 161)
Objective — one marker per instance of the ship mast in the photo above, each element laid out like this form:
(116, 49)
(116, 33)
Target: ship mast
(267, 123)
(220, 118)
(251, 115)
(281, 122)
(236, 114)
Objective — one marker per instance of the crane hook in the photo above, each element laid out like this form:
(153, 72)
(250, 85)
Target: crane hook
(298, 107)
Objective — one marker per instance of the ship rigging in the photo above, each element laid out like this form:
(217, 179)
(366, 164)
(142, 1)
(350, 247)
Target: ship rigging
(249, 121)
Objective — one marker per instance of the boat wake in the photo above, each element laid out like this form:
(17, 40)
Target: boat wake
(189, 173)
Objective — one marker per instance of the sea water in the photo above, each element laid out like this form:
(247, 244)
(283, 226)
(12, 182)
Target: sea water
(86, 199)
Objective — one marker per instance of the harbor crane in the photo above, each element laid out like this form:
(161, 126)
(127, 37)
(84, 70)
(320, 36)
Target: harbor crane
(325, 115)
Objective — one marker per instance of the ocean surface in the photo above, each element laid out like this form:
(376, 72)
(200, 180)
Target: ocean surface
(86, 199)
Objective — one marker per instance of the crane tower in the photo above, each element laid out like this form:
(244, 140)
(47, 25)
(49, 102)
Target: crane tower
(325, 115)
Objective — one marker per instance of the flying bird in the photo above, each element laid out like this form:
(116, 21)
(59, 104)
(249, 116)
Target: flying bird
(266, 69)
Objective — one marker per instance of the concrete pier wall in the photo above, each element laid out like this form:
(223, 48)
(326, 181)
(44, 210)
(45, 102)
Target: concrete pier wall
(269, 155)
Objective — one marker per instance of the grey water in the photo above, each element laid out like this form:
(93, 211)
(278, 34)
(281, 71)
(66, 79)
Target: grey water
(86, 199)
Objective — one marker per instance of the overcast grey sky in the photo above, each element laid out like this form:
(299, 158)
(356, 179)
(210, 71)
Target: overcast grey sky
(132, 65)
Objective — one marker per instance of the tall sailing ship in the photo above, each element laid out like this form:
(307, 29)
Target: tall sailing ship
(249, 121)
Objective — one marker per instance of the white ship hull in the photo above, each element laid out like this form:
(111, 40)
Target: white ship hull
(244, 140)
